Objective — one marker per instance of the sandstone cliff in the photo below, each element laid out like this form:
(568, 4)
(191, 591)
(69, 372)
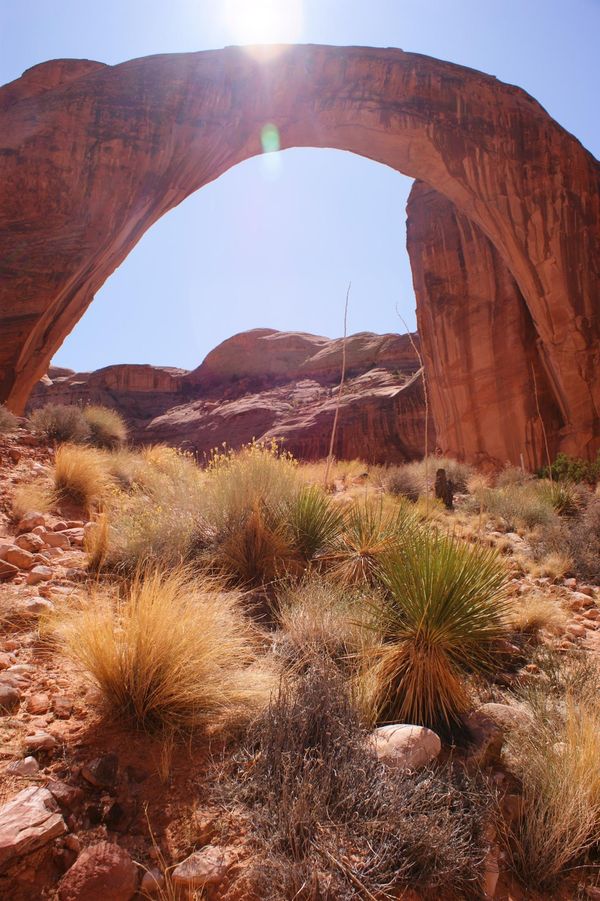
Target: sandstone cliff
(262, 384)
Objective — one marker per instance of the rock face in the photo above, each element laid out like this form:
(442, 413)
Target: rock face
(92, 155)
(480, 347)
(269, 384)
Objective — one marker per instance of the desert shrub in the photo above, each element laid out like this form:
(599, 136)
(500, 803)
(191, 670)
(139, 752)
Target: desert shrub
(314, 792)
(444, 612)
(573, 469)
(60, 422)
(513, 475)
(80, 476)
(583, 541)
(404, 481)
(160, 519)
(313, 520)
(8, 421)
(372, 529)
(240, 481)
(172, 654)
(319, 617)
(518, 505)
(556, 759)
(107, 427)
(37, 495)
(126, 467)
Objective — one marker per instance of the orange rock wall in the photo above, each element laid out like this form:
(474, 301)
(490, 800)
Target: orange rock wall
(482, 354)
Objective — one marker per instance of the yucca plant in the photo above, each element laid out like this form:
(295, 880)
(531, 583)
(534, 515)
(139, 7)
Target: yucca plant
(313, 519)
(371, 530)
(445, 609)
(563, 497)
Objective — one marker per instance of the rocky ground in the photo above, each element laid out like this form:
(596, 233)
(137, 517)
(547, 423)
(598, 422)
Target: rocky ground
(90, 813)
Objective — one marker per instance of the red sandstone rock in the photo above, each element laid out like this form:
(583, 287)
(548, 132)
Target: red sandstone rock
(100, 872)
(479, 341)
(268, 384)
(92, 155)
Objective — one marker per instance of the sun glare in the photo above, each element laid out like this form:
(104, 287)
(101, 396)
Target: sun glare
(264, 21)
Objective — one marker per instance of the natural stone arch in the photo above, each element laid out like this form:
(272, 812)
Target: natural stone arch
(92, 155)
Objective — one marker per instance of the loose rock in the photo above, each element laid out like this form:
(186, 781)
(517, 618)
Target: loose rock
(203, 868)
(100, 873)
(405, 746)
(29, 821)
(39, 574)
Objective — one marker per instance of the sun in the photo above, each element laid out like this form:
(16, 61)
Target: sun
(263, 21)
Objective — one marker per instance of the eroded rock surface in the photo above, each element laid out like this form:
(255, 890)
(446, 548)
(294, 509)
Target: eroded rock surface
(268, 384)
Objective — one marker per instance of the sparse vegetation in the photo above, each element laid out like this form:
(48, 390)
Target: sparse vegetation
(173, 654)
(107, 427)
(8, 421)
(316, 793)
(60, 422)
(558, 766)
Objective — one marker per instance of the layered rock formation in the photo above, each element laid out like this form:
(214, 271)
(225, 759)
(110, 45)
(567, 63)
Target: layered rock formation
(92, 155)
(480, 347)
(268, 384)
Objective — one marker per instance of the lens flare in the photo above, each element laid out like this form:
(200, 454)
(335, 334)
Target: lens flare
(263, 22)
(269, 138)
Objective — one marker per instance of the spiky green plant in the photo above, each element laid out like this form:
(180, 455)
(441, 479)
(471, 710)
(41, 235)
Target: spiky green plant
(313, 519)
(371, 530)
(445, 609)
(563, 497)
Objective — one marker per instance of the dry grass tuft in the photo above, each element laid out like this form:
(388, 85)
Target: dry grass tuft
(319, 617)
(80, 476)
(173, 654)
(30, 496)
(8, 420)
(534, 613)
(107, 427)
(256, 550)
(558, 767)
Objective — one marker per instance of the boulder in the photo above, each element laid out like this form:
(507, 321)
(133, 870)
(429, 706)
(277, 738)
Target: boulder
(7, 570)
(101, 872)
(56, 539)
(10, 699)
(28, 822)
(405, 746)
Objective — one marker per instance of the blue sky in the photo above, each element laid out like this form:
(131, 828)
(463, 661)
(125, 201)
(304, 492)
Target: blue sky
(326, 217)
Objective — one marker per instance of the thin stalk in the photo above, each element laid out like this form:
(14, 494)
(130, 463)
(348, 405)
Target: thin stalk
(426, 397)
(341, 388)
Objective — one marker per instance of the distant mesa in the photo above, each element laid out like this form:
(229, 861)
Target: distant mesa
(267, 384)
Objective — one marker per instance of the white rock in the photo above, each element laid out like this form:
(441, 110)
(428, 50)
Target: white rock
(29, 821)
(28, 766)
(405, 746)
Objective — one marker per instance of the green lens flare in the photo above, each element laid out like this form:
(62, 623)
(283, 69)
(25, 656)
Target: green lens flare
(269, 138)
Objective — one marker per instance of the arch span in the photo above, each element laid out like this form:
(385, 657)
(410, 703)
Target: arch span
(91, 155)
